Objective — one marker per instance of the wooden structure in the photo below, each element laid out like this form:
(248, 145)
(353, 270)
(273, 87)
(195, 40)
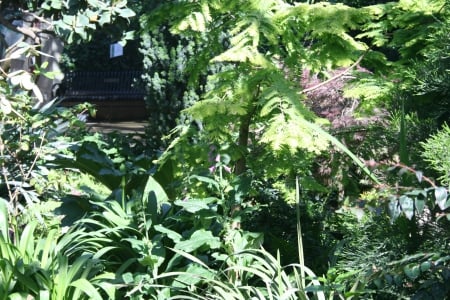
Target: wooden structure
(117, 95)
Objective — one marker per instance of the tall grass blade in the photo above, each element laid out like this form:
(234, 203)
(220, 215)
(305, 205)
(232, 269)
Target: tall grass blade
(190, 257)
(48, 248)
(4, 220)
(403, 147)
(301, 256)
(26, 244)
(320, 131)
(87, 288)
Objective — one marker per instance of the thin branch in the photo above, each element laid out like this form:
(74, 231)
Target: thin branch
(356, 63)
(37, 156)
(424, 178)
(30, 32)
(41, 19)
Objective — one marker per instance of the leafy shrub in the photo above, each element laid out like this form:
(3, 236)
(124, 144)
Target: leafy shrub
(35, 264)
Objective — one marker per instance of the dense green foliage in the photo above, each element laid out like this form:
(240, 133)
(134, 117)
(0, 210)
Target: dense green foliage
(304, 157)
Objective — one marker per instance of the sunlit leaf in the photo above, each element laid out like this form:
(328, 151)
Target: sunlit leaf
(5, 105)
(440, 193)
(419, 175)
(407, 206)
(394, 209)
(173, 235)
(195, 205)
(84, 285)
(4, 223)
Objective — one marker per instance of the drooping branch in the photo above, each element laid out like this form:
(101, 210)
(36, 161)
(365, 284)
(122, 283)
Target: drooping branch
(355, 64)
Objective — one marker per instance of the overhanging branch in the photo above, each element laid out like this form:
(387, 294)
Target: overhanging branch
(355, 64)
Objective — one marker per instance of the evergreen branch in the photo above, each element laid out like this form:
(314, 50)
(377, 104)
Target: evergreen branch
(356, 63)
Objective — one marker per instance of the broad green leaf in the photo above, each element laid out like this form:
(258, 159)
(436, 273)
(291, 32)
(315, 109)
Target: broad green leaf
(105, 17)
(211, 182)
(199, 239)
(173, 235)
(126, 13)
(82, 21)
(153, 186)
(420, 205)
(195, 205)
(56, 4)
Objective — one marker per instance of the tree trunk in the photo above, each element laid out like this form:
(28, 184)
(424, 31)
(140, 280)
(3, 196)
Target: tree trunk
(244, 128)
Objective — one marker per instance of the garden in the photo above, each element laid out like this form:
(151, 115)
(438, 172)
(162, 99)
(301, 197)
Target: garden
(293, 150)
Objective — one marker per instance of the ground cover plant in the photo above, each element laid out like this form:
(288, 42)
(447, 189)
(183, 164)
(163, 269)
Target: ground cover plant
(299, 161)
